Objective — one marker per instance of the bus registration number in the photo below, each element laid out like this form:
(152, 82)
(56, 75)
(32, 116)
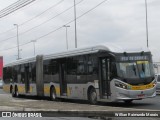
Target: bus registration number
(140, 96)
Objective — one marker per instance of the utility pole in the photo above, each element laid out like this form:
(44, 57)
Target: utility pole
(146, 21)
(17, 41)
(75, 19)
(66, 35)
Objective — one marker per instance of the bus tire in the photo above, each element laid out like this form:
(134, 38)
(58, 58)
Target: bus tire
(53, 94)
(16, 92)
(92, 96)
(11, 89)
(13, 92)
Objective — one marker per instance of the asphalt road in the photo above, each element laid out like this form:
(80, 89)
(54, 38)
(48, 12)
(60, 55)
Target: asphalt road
(151, 103)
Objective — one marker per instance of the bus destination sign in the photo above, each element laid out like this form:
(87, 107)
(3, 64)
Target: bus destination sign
(133, 58)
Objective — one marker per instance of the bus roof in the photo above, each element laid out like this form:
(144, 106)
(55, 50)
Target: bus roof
(85, 50)
(93, 49)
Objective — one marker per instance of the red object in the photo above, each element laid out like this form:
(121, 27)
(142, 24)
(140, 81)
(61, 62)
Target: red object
(1, 67)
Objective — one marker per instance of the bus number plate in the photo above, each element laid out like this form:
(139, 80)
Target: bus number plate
(141, 96)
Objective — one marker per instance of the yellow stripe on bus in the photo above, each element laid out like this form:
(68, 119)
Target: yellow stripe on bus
(6, 88)
(57, 90)
(21, 89)
(142, 87)
(31, 89)
(47, 90)
(142, 62)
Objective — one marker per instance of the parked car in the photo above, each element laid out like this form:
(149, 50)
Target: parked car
(157, 76)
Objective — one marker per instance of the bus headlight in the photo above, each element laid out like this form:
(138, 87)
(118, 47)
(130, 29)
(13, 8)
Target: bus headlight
(121, 85)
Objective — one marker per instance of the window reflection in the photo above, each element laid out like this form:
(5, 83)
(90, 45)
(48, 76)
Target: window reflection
(137, 69)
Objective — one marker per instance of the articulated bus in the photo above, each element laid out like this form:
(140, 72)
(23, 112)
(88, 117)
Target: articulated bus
(100, 73)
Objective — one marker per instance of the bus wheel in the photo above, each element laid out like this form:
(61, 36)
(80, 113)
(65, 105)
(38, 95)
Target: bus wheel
(53, 94)
(16, 92)
(128, 101)
(11, 89)
(13, 93)
(92, 96)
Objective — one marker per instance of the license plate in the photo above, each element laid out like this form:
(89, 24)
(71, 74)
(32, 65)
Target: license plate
(141, 96)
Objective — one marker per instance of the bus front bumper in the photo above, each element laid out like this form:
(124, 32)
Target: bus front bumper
(123, 94)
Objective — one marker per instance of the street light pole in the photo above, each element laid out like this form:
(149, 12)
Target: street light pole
(146, 21)
(66, 35)
(75, 19)
(34, 46)
(17, 41)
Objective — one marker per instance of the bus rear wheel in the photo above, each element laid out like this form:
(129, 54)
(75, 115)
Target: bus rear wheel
(92, 96)
(53, 94)
(13, 92)
(16, 92)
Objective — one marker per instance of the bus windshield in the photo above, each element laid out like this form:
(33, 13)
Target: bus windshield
(136, 69)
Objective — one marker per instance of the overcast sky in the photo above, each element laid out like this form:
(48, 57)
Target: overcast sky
(116, 21)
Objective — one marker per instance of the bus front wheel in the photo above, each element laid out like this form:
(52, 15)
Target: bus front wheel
(92, 96)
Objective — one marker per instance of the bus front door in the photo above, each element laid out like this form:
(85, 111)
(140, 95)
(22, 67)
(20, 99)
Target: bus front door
(105, 77)
(62, 76)
(27, 87)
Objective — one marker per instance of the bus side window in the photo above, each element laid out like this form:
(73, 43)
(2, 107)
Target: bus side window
(33, 71)
(71, 70)
(71, 66)
(22, 73)
(7, 74)
(14, 75)
(81, 66)
(92, 66)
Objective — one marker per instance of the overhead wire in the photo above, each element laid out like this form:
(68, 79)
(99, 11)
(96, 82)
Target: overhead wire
(16, 11)
(14, 7)
(32, 18)
(16, 46)
(72, 20)
(50, 19)
(61, 26)
(42, 13)
(42, 22)
(10, 6)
